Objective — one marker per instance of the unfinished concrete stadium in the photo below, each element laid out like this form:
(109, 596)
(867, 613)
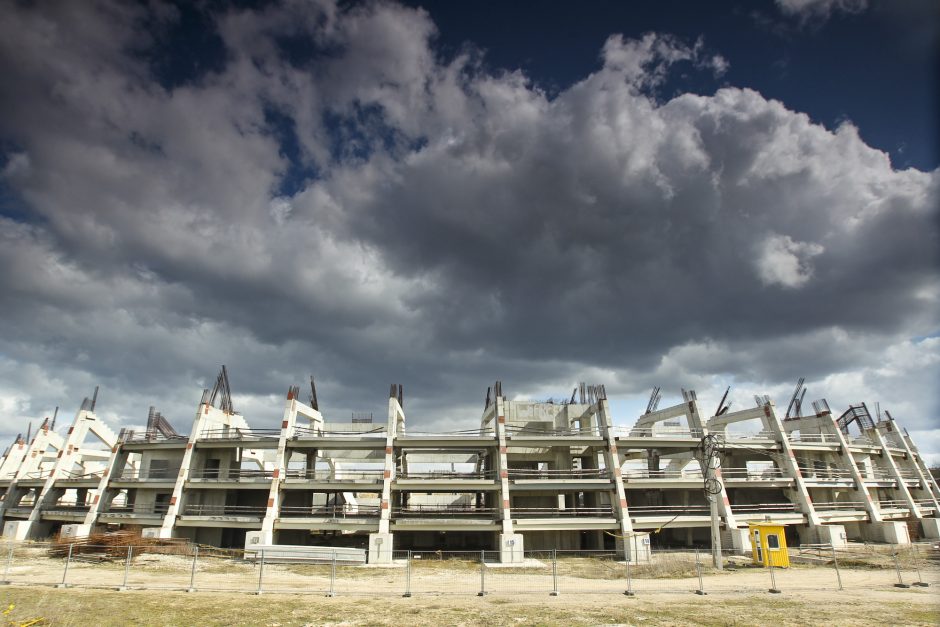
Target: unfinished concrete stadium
(533, 476)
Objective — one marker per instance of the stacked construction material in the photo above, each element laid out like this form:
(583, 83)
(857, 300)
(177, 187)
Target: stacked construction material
(115, 545)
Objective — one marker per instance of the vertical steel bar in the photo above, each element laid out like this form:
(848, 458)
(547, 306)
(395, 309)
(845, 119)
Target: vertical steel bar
(773, 579)
(554, 573)
(261, 573)
(897, 568)
(192, 574)
(6, 571)
(332, 576)
(698, 571)
(408, 576)
(835, 562)
(629, 590)
(127, 565)
(482, 591)
(920, 583)
(65, 572)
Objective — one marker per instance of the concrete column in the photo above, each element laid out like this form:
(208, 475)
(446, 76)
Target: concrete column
(511, 549)
(169, 520)
(920, 469)
(789, 465)
(893, 467)
(380, 544)
(273, 505)
(618, 497)
(848, 463)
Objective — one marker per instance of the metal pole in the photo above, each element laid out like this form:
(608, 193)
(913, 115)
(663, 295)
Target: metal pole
(835, 562)
(6, 571)
(127, 566)
(629, 590)
(698, 570)
(408, 576)
(192, 574)
(897, 567)
(554, 573)
(773, 580)
(920, 583)
(332, 591)
(261, 573)
(482, 591)
(65, 573)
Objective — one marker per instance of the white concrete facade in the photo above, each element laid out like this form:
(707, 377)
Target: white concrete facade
(533, 476)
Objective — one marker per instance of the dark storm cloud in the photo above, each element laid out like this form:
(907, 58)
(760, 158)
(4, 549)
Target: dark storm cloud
(448, 225)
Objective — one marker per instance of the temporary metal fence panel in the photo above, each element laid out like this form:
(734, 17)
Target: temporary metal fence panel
(534, 575)
(412, 573)
(448, 572)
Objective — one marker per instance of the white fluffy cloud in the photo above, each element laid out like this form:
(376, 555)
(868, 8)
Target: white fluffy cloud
(444, 225)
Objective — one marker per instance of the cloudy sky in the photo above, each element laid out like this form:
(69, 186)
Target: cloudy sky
(441, 194)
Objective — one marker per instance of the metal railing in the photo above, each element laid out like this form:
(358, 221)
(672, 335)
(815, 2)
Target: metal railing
(657, 432)
(443, 511)
(669, 510)
(335, 475)
(753, 474)
(301, 432)
(238, 433)
(144, 437)
(514, 430)
(156, 508)
(223, 510)
(329, 511)
(892, 504)
(825, 474)
(66, 507)
(488, 433)
(675, 475)
(79, 476)
(813, 438)
(448, 474)
(169, 474)
(753, 508)
(557, 512)
(565, 473)
(839, 505)
(232, 474)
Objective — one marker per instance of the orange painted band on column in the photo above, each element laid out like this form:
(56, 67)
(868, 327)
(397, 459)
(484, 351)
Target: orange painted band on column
(501, 420)
(503, 474)
(57, 456)
(613, 448)
(284, 424)
(388, 474)
(173, 500)
(189, 445)
(71, 429)
(505, 503)
(277, 473)
(623, 502)
(271, 502)
(503, 449)
(95, 501)
(617, 472)
(384, 504)
(388, 450)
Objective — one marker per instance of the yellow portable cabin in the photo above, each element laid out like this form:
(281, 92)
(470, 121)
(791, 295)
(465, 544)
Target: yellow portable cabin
(769, 544)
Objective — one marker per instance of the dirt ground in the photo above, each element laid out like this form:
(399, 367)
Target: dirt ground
(83, 606)
(444, 592)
